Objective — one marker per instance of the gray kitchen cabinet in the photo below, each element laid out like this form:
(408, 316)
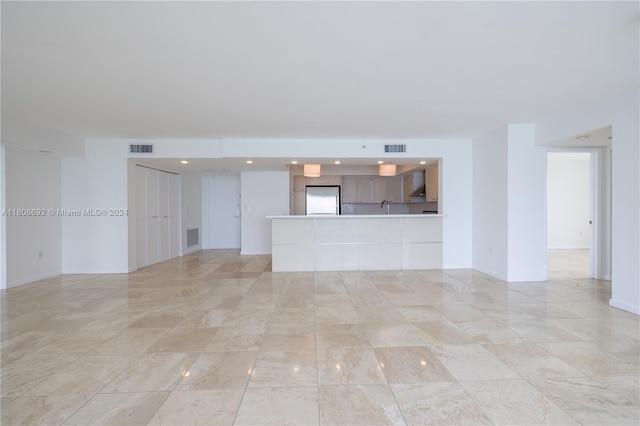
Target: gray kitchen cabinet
(387, 188)
(431, 182)
(356, 189)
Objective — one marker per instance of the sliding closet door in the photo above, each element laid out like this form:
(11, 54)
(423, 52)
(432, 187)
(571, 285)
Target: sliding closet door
(174, 216)
(157, 216)
(153, 224)
(141, 217)
(163, 213)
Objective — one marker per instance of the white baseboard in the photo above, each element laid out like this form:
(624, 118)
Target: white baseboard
(191, 250)
(244, 253)
(491, 273)
(624, 306)
(16, 283)
(568, 248)
(95, 271)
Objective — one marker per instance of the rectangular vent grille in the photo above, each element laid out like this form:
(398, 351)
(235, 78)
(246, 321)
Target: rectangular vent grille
(192, 237)
(395, 148)
(140, 149)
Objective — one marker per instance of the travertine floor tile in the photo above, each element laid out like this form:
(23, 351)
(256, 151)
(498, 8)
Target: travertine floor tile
(473, 362)
(279, 406)
(118, 409)
(219, 370)
(413, 364)
(589, 401)
(531, 360)
(152, 372)
(86, 375)
(359, 405)
(509, 402)
(22, 374)
(284, 368)
(438, 404)
(41, 410)
(205, 407)
(348, 366)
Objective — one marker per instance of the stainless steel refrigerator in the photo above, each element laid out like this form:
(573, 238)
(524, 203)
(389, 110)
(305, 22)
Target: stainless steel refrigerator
(322, 200)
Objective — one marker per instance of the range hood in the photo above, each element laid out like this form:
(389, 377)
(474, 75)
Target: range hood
(420, 192)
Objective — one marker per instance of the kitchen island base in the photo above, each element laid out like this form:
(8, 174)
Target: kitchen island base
(353, 243)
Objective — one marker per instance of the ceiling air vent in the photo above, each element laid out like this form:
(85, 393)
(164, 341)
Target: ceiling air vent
(140, 149)
(395, 148)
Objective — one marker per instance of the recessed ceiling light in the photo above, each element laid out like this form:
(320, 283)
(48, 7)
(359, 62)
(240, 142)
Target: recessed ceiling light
(249, 162)
(380, 162)
(582, 137)
(336, 162)
(294, 162)
(423, 162)
(184, 162)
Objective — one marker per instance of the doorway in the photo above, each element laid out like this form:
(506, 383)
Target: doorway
(570, 206)
(223, 212)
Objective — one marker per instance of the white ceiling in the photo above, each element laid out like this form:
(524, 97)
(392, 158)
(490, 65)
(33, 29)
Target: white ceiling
(72, 70)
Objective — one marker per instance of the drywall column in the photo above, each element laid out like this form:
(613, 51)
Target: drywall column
(625, 290)
(3, 222)
(526, 198)
(33, 222)
(490, 203)
(509, 204)
(96, 182)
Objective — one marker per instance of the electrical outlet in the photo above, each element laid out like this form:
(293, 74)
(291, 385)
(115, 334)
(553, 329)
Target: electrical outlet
(40, 254)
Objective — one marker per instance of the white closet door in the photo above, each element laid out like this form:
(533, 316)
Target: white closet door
(163, 210)
(152, 216)
(174, 216)
(141, 217)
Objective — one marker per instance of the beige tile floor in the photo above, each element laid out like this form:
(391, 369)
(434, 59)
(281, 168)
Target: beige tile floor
(216, 338)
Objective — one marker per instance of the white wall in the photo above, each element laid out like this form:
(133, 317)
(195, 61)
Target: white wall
(190, 210)
(527, 205)
(96, 181)
(262, 194)
(32, 243)
(568, 200)
(490, 203)
(622, 113)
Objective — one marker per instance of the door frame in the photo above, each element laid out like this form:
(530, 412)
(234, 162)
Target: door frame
(597, 198)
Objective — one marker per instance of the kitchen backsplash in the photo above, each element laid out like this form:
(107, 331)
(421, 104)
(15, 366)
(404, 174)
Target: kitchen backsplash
(397, 208)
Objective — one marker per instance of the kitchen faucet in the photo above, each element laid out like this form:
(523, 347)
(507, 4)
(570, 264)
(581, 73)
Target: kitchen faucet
(388, 205)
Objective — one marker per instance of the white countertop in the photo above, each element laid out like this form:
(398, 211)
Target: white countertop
(355, 216)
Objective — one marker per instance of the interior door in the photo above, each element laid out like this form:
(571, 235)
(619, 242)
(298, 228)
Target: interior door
(224, 213)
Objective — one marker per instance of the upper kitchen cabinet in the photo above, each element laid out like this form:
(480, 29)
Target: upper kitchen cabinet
(357, 189)
(299, 183)
(324, 180)
(431, 182)
(387, 189)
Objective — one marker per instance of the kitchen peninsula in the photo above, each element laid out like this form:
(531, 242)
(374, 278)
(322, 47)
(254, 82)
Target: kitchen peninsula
(356, 242)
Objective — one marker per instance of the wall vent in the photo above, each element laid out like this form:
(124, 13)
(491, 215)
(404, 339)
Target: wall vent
(192, 237)
(395, 148)
(140, 149)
